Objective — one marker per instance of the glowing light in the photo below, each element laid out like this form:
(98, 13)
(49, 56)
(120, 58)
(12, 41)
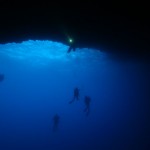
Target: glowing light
(70, 40)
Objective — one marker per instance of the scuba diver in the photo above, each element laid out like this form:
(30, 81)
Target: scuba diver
(76, 95)
(87, 101)
(1, 77)
(56, 122)
(72, 46)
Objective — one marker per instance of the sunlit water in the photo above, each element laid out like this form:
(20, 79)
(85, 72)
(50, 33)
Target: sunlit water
(39, 80)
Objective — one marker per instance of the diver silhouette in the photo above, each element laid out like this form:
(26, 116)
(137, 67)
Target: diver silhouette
(87, 101)
(76, 95)
(72, 47)
(56, 119)
(1, 77)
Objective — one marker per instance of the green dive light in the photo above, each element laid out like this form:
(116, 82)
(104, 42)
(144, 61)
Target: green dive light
(70, 40)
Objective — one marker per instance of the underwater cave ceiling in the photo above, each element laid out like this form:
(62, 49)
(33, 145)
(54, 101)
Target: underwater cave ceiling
(98, 29)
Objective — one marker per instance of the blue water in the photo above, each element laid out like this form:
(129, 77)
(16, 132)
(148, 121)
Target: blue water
(39, 81)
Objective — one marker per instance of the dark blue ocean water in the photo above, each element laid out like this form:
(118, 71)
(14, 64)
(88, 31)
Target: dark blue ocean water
(39, 81)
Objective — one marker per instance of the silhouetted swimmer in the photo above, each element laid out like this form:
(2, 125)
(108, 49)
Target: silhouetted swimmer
(76, 95)
(1, 77)
(72, 46)
(56, 119)
(87, 101)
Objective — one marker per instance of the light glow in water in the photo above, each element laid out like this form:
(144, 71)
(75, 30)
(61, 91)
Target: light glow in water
(43, 52)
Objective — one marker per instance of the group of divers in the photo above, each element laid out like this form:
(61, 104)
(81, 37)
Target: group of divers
(87, 99)
(76, 95)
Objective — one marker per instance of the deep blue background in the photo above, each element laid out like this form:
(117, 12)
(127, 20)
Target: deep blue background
(30, 96)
